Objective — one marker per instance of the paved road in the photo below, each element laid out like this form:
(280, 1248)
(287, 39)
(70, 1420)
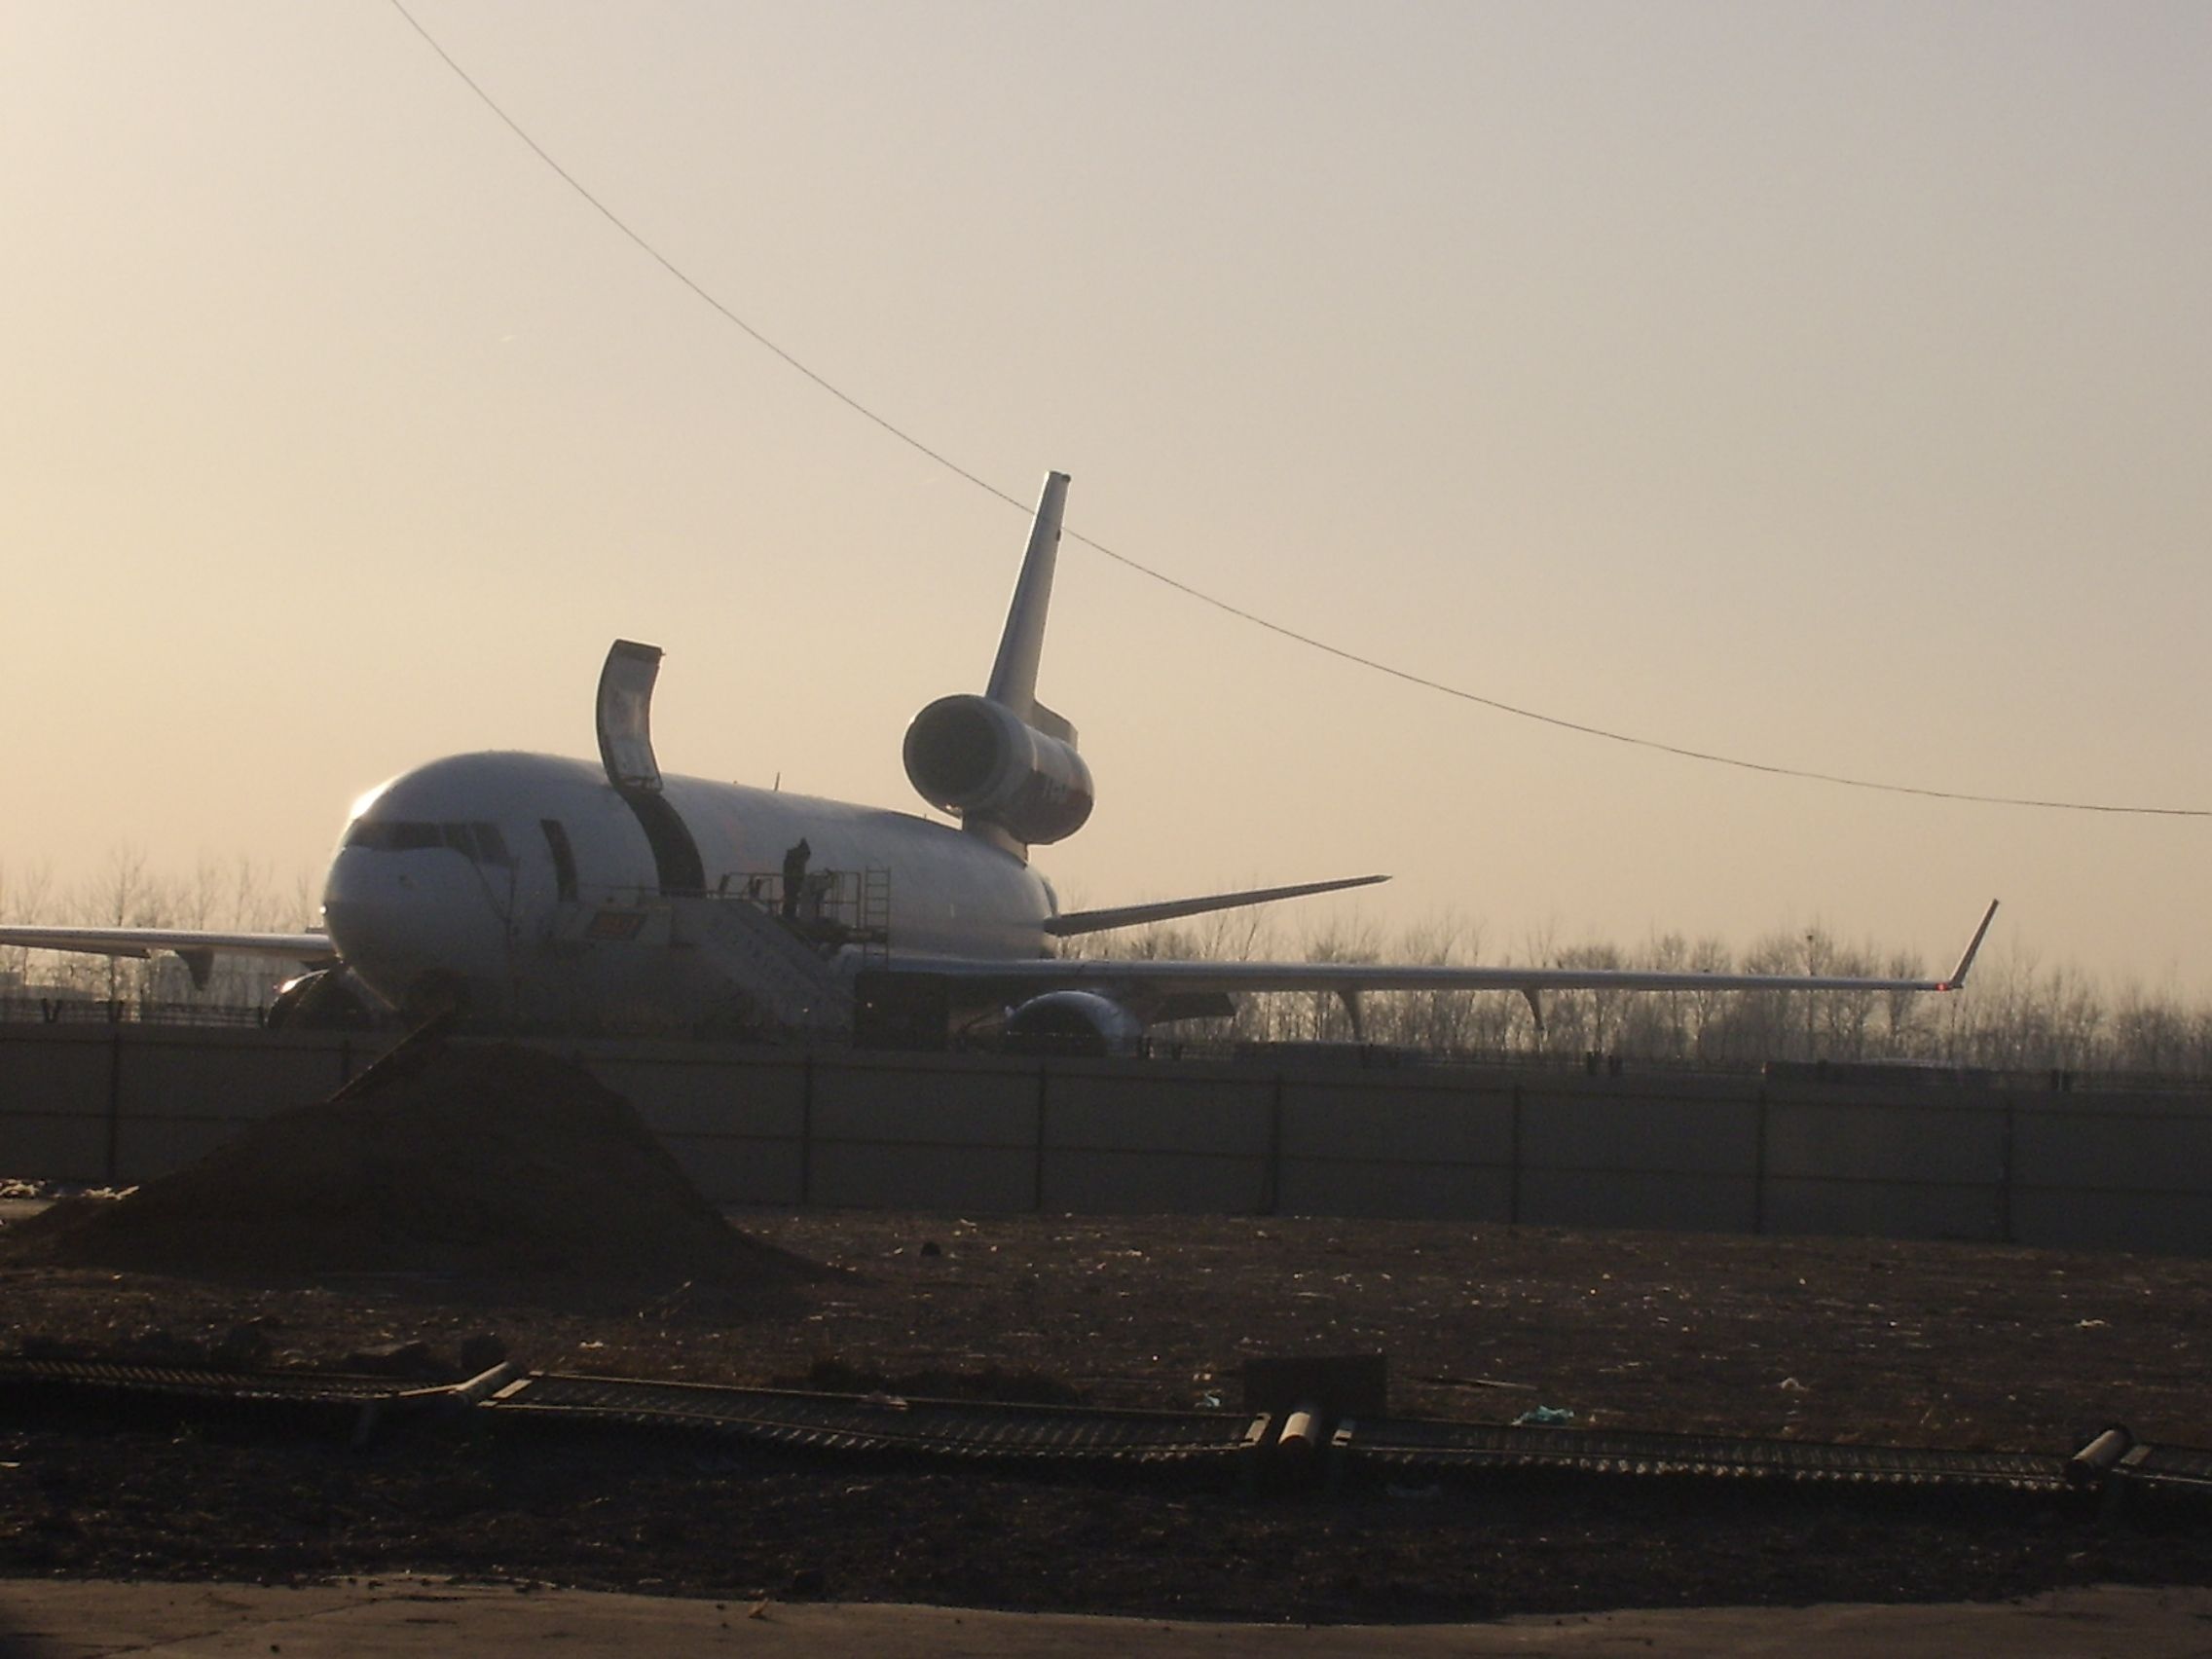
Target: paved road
(370, 1619)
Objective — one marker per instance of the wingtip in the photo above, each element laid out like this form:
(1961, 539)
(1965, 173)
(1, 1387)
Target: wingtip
(1958, 978)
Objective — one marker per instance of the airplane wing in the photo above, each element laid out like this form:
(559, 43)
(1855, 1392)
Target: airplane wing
(1136, 980)
(199, 947)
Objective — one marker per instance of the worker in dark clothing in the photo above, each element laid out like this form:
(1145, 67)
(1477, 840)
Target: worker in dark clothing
(794, 877)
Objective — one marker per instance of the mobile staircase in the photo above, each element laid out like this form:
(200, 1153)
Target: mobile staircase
(796, 968)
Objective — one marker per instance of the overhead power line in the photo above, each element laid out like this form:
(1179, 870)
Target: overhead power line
(1406, 676)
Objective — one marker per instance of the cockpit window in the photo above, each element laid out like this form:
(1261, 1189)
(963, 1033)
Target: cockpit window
(480, 843)
(393, 836)
(564, 856)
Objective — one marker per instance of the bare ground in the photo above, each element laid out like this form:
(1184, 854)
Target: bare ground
(1937, 1345)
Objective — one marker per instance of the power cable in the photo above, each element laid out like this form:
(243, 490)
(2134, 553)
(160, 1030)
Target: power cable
(1406, 676)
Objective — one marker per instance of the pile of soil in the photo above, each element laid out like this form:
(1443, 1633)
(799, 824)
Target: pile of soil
(495, 1161)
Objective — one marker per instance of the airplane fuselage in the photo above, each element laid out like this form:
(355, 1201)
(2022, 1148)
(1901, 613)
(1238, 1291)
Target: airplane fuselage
(533, 887)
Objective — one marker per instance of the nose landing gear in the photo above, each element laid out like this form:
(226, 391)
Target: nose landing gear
(326, 999)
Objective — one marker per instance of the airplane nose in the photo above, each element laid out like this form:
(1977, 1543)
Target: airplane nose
(414, 922)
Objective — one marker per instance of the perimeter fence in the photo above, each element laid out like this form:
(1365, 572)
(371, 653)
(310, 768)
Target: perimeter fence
(757, 1124)
(27, 1009)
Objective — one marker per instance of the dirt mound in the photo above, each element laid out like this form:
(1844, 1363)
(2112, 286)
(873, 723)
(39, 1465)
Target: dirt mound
(482, 1160)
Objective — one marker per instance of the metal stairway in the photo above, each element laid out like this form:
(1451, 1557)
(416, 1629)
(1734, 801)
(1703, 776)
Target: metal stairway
(787, 981)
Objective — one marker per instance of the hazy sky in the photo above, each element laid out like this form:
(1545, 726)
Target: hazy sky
(1824, 384)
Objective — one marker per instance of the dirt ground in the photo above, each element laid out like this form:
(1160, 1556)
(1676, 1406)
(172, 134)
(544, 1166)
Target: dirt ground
(1932, 1345)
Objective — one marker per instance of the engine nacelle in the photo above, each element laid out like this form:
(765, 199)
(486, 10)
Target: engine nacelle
(973, 757)
(1074, 1022)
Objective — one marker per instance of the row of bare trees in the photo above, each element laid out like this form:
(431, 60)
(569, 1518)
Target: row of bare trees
(126, 891)
(2017, 1016)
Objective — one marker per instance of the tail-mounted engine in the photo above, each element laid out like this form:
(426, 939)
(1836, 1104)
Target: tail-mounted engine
(977, 760)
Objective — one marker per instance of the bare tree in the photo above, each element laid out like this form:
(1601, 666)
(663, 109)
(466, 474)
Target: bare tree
(22, 899)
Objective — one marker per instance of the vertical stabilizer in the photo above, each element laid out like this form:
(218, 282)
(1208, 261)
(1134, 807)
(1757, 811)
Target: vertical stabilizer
(1013, 677)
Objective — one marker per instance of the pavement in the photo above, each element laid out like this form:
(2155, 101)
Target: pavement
(372, 1618)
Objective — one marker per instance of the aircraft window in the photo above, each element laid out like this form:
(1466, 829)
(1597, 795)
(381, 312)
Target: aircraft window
(492, 845)
(461, 838)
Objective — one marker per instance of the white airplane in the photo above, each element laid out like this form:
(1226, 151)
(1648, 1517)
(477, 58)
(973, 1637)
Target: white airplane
(544, 889)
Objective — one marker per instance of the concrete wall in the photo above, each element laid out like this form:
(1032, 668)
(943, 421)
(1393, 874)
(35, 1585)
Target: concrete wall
(119, 1103)
(786, 1128)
